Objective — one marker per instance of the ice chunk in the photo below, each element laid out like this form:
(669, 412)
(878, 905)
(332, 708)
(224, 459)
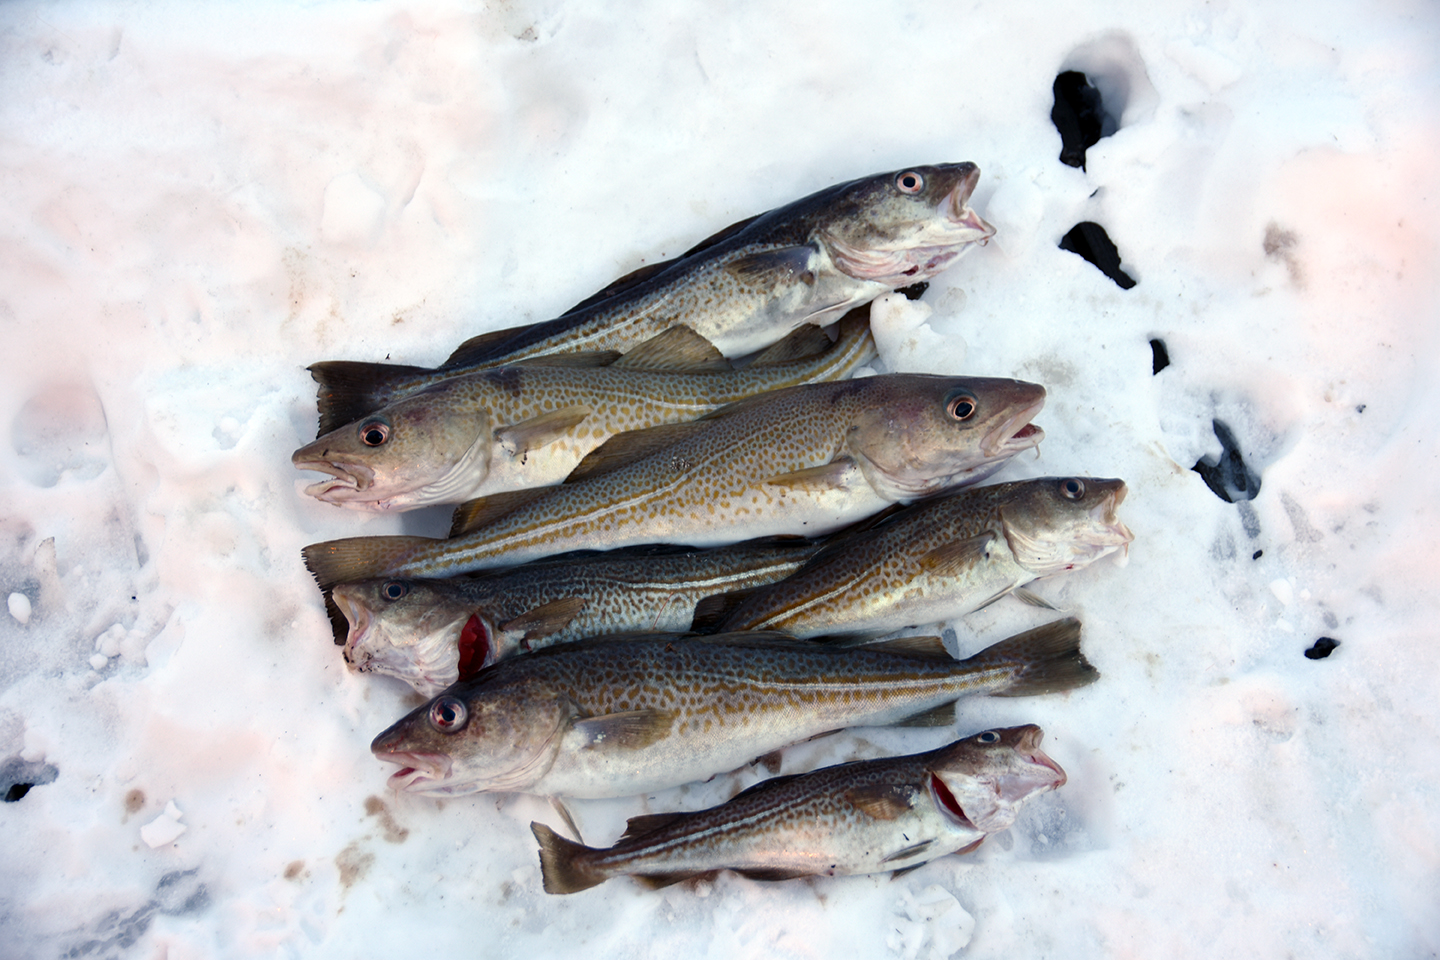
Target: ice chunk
(164, 829)
(19, 607)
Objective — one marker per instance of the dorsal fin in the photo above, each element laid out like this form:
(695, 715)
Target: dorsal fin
(623, 449)
(581, 358)
(712, 612)
(678, 348)
(806, 340)
(350, 389)
(481, 347)
(921, 648)
(474, 514)
(720, 236)
(648, 823)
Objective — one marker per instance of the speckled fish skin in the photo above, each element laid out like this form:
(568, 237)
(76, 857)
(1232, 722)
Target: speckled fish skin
(518, 426)
(806, 262)
(868, 816)
(942, 558)
(430, 632)
(590, 719)
(733, 475)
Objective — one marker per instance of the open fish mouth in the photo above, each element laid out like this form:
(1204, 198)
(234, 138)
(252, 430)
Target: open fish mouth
(1014, 435)
(948, 803)
(358, 616)
(1029, 747)
(419, 772)
(956, 209)
(344, 478)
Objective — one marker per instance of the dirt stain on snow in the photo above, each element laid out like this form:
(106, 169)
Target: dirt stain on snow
(353, 863)
(394, 833)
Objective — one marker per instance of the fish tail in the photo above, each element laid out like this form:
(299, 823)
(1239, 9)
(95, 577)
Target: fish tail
(349, 389)
(558, 867)
(358, 558)
(1045, 660)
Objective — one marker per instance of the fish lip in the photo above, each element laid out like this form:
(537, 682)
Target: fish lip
(956, 207)
(1029, 747)
(344, 477)
(358, 616)
(417, 769)
(1017, 433)
(1104, 515)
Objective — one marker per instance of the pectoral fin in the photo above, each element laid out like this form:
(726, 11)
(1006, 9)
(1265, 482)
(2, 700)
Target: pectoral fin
(951, 559)
(547, 618)
(536, 432)
(828, 476)
(878, 802)
(1033, 599)
(678, 348)
(781, 266)
(623, 449)
(474, 514)
(630, 730)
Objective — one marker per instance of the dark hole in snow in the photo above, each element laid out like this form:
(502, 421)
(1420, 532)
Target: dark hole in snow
(1257, 554)
(914, 291)
(1228, 478)
(17, 777)
(1079, 115)
(1090, 241)
(1360, 409)
(1322, 648)
(1160, 356)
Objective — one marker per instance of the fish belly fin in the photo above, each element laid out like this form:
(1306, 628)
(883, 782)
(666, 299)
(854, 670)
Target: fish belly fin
(1032, 598)
(547, 618)
(907, 853)
(827, 476)
(921, 648)
(658, 881)
(880, 802)
(623, 449)
(782, 266)
(712, 611)
(951, 559)
(648, 823)
(559, 807)
(629, 730)
(773, 874)
(580, 358)
(481, 347)
(349, 389)
(941, 716)
(357, 558)
(1045, 660)
(969, 847)
(678, 349)
(536, 432)
(897, 874)
(558, 868)
(474, 514)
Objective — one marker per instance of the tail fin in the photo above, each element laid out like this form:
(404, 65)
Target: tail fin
(1045, 660)
(349, 389)
(560, 872)
(358, 558)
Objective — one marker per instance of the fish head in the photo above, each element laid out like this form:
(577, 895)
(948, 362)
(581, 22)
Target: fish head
(924, 433)
(474, 738)
(1062, 523)
(413, 629)
(903, 227)
(983, 780)
(428, 448)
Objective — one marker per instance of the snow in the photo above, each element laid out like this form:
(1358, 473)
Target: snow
(202, 200)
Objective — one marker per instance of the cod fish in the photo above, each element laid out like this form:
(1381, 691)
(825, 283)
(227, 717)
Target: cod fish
(530, 424)
(935, 560)
(867, 816)
(801, 461)
(743, 289)
(431, 633)
(614, 717)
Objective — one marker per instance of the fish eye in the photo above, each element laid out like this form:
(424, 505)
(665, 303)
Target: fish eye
(910, 182)
(1072, 488)
(393, 589)
(447, 714)
(373, 433)
(961, 407)
(989, 736)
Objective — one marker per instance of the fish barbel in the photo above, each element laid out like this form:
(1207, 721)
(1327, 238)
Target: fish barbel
(867, 816)
(934, 560)
(743, 289)
(803, 461)
(530, 424)
(613, 717)
(432, 633)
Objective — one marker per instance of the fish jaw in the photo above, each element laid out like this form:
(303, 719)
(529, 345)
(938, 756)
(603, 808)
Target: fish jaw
(984, 784)
(1057, 542)
(347, 485)
(414, 639)
(424, 773)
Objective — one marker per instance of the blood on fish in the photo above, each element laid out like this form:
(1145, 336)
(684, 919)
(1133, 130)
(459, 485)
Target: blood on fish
(474, 647)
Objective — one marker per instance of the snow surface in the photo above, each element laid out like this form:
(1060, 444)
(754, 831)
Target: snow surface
(200, 200)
